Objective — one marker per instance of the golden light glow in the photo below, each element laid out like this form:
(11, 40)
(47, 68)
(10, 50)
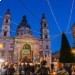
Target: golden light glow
(25, 63)
(55, 59)
(1, 46)
(31, 64)
(73, 51)
(54, 73)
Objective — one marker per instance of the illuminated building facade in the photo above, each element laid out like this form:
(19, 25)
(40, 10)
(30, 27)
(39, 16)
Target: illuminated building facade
(24, 46)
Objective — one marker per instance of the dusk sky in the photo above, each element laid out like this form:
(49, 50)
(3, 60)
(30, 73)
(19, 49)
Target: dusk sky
(60, 15)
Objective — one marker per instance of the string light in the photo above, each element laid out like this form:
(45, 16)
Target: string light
(70, 16)
(53, 15)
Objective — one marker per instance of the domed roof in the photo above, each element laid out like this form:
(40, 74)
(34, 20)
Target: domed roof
(24, 27)
(24, 23)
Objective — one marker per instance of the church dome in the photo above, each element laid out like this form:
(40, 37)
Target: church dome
(24, 27)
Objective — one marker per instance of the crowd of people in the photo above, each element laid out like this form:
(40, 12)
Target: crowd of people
(37, 69)
(63, 69)
(25, 69)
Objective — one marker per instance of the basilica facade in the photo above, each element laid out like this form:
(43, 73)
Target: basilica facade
(24, 46)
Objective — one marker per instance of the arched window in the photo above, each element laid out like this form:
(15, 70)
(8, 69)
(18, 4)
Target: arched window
(46, 46)
(5, 27)
(46, 36)
(6, 21)
(21, 33)
(5, 33)
(26, 46)
(44, 24)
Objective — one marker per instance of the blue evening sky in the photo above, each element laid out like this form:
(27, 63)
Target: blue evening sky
(33, 9)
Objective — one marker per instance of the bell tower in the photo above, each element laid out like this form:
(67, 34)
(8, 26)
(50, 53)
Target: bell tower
(6, 24)
(45, 37)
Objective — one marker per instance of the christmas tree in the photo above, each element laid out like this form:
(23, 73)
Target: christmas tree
(66, 55)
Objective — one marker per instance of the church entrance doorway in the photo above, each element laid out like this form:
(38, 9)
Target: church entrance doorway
(27, 54)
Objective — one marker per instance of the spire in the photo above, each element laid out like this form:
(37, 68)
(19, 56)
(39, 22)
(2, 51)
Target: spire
(43, 15)
(24, 22)
(24, 19)
(8, 11)
(6, 24)
(26, 27)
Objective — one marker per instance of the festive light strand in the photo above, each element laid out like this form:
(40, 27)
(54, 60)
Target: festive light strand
(70, 16)
(53, 15)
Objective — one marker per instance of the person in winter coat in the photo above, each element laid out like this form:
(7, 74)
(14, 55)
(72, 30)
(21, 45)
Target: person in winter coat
(32, 70)
(10, 70)
(43, 70)
(22, 69)
(3, 70)
(52, 67)
(73, 69)
(28, 69)
(61, 70)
